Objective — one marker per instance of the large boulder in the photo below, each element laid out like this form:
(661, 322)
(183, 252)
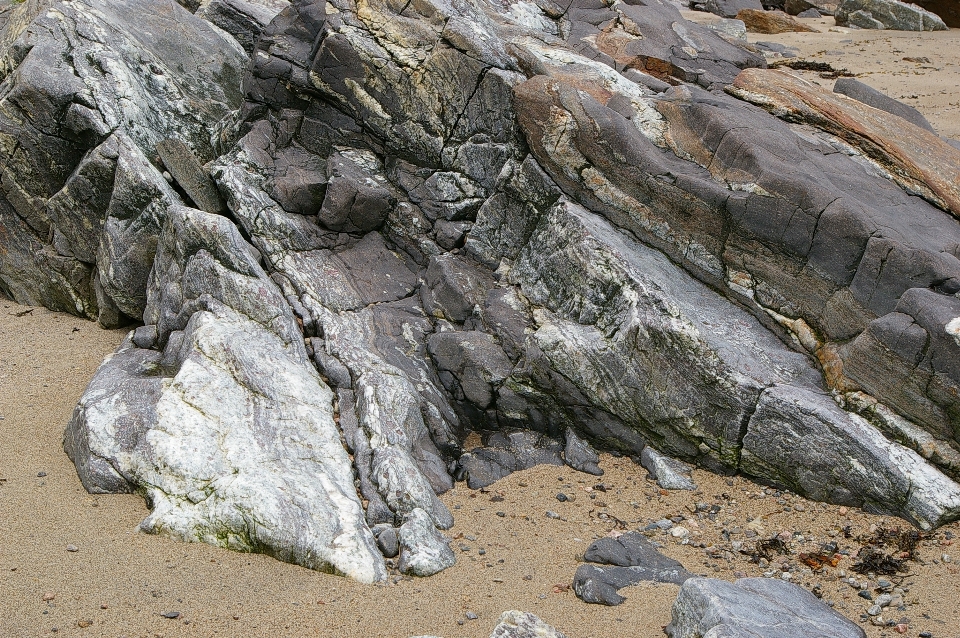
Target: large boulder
(224, 424)
(754, 608)
(887, 14)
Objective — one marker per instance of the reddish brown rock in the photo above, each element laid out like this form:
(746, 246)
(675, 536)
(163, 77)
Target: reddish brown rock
(771, 22)
(916, 158)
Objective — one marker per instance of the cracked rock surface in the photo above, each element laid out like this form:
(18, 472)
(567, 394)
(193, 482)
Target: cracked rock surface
(545, 223)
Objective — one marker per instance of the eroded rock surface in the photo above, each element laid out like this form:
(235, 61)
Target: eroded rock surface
(542, 223)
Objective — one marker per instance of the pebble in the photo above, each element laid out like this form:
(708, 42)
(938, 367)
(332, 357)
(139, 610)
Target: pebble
(680, 532)
(49, 596)
(173, 615)
(471, 616)
(874, 610)
(884, 599)
(83, 624)
(946, 558)
(73, 548)
(561, 497)
(41, 474)
(925, 634)
(863, 593)
(552, 514)
(502, 514)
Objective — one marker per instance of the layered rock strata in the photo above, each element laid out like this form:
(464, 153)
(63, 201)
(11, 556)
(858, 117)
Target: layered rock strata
(538, 222)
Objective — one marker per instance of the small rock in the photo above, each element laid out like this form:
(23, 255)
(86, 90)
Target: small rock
(561, 497)
(49, 596)
(41, 474)
(471, 616)
(874, 610)
(679, 532)
(73, 548)
(83, 624)
(172, 615)
(552, 514)
(946, 558)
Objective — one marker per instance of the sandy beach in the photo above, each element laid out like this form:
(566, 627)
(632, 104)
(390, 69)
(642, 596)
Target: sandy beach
(74, 564)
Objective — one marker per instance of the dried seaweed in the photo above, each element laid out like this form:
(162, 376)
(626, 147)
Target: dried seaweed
(905, 540)
(825, 70)
(770, 547)
(872, 560)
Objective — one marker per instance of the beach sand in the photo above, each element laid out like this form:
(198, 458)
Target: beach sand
(120, 581)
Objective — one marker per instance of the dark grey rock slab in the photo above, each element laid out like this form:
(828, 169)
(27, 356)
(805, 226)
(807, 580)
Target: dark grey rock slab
(615, 563)
(187, 171)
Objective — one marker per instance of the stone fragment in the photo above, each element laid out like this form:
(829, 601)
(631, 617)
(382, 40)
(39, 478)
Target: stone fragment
(520, 624)
(754, 608)
(669, 473)
(423, 550)
(890, 14)
(580, 455)
(729, 28)
(388, 542)
(771, 22)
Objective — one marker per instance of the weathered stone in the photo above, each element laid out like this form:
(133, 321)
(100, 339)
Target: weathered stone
(891, 14)
(234, 446)
(794, 439)
(730, 8)
(504, 454)
(88, 91)
(519, 624)
(758, 21)
(754, 607)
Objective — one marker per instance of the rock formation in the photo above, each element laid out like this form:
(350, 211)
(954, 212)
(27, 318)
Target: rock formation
(546, 223)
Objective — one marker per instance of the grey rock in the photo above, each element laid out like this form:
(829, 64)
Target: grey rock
(890, 14)
(670, 474)
(754, 607)
(506, 453)
(859, 91)
(793, 430)
(615, 563)
(810, 13)
(423, 550)
(388, 542)
(579, 454)
(519, 624)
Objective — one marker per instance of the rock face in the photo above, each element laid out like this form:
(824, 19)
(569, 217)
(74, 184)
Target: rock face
(88, 89)
(754, 608)
(887, 14)
(532, 221)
